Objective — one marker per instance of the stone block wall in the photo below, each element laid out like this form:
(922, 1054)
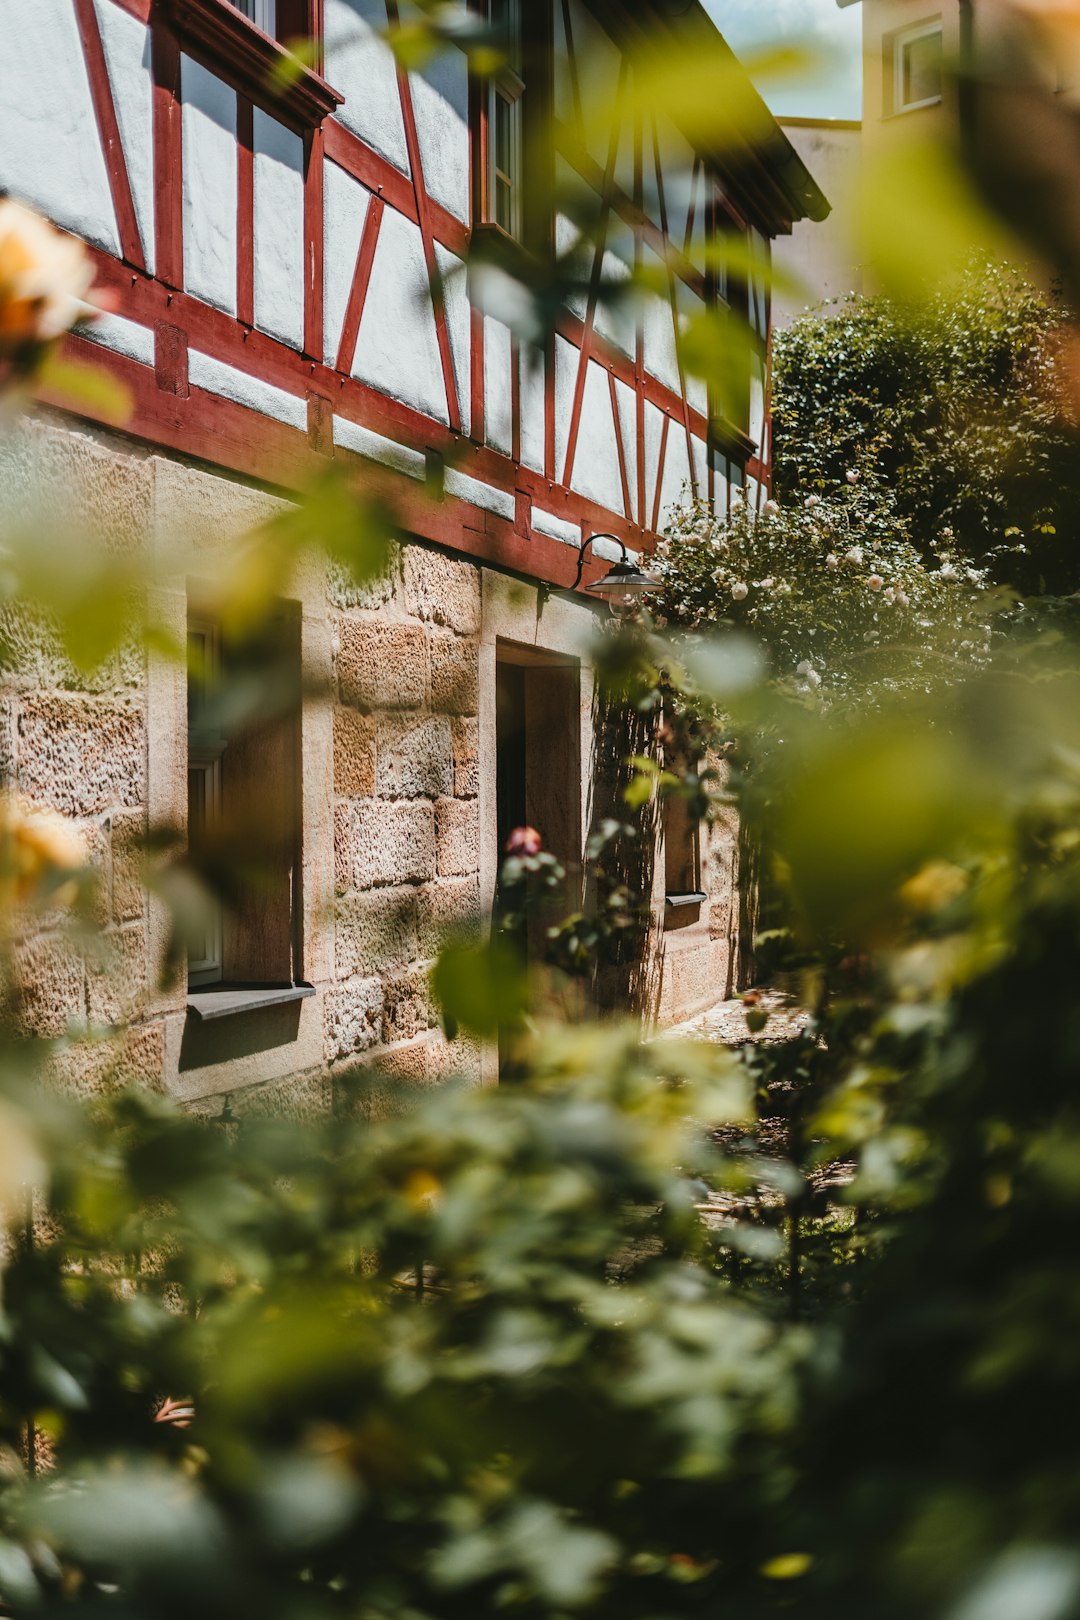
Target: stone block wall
(398, 783)
(406, 809)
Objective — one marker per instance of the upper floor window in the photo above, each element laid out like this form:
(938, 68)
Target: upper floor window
(506, 125)
(247, 43)
(263, 13)
(917, 67)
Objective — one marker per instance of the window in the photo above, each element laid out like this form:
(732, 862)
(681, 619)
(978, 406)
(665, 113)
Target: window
(506, 131)
(682, 863)
(917, 68)
(247, 43)
(244, 810)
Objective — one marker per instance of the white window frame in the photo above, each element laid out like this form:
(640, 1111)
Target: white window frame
(508, 86)
(900, 43)
(263, 13)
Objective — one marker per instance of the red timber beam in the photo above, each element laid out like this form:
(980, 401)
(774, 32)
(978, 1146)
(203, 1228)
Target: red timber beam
(424, 220)
(245, 211)
(365, 260)
(97, 69)
(168, 158)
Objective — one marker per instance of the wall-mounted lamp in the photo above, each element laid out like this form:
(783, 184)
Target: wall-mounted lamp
(624, 584)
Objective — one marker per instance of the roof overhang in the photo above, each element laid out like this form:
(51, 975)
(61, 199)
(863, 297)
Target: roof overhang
(768, 179)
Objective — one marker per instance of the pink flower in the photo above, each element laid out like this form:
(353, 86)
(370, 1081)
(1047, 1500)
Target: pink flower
(524, 841)
(832, 560)
(875, 582)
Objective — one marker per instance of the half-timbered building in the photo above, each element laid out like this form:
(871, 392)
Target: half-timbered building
(271, 231)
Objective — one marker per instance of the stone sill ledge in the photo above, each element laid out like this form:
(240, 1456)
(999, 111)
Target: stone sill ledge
(230, 1000)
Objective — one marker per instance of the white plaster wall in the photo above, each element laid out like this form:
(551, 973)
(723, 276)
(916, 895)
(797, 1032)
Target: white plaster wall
(658, 329)
(345, 206)
(205, 371)
(567, 360)
(397, 350)
(126, 337)
(675, 488)
(279, 230)
(701, 464)
(50, 151)
(360, 65)
(365, 442)
(598, 60)
(465, 488)
(596, 461)
(126, 43)
(617, 320)
(209, 126)
(441, 104)
(498, 394)
(677, 167)
(531, 363)
(626, 400)
(757, 403)
(459, 324)
(654, 431)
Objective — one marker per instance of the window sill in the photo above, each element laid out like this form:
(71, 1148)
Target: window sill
(227, 41)
(229, 1001)
(695, 898)
(731, 440)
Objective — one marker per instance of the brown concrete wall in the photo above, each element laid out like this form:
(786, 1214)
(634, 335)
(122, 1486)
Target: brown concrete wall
(397, 784)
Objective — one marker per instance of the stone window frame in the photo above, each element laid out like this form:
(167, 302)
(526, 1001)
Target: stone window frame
(197, 512)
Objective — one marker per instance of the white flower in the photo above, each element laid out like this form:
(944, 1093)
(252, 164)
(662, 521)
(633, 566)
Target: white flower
(852, 475)
(738, 500)
(889, 595)
(739, 590)
(875, 582)
(771, 508)
(948, 572)
(812, 501)
(902, 599)
(832, 560)
(766, 584)
(946, 534)
(45, 278)
(973, 576)
(854, 555)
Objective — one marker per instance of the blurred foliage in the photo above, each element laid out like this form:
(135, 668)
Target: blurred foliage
(963, 400)
(659, 1331)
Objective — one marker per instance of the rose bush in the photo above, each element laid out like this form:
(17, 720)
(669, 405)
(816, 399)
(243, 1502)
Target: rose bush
(834, 587)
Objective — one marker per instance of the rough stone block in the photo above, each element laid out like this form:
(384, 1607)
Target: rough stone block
(353, 1017)
(457, 823)
(199, 509)
(386, 1084)
(343, 848)
(375, 932)
(446, 910)
(414, 758)
(89, 490)
(453, 1060)
(79, 755)
(116, 976)
(408, 1006)
(443, 590)
(354, 753)
(88, 1069)
(128, 829)
(299, 1097)
(382, 666)
(455, 668)
(50, 982)
(466, 741)
(391, 843)
(346, 591)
